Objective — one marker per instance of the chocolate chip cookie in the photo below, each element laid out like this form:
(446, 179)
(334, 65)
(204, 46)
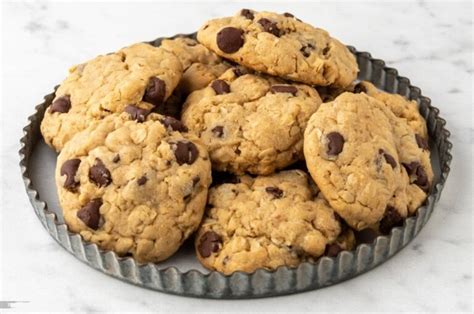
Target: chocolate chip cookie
(366, 161)
(281, 45)
(134, 183)
(249, 122)
(200, 65)
(265, 222)
(139, 75)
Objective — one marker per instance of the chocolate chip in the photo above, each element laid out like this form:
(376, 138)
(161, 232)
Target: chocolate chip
(218, 131)
(286, 14)
(366, 236)
(325, 50)
(414, 169)
(61, 104)
(237, 72)
(332, 250)
(411, 167)
(220, 87)
(390, 219)
(155, 92)
(209, 243)
(306, 50)
(99, 174)
(269, 26)
(422, 142)
(388, 158)
(247, 14)
(422, 179)
(187, 198)
(360, 88)
(335, 143)
(142, 180)
(90, 214)
(116, 158)
(230, 39)
(284, 89)
(173, 124)
(185, 152)
(136, 113)
(273, 190)
(196, 180)
(69, 169)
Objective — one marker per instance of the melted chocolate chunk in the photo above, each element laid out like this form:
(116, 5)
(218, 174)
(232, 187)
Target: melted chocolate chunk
(230, 39)
(209, 243)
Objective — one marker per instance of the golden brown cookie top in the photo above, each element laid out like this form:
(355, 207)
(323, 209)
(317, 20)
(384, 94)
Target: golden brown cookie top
(364, 158)
(134, 184)
(251, 122)
(280, 45)
(139, 75)
(265, 222)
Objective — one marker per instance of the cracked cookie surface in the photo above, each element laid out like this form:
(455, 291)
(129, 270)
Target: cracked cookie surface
(139, 75)
(366, 161)
(200, 65)
(281, 45)
(251, 123)
(400, 106)
(265, 222)
(134, 187)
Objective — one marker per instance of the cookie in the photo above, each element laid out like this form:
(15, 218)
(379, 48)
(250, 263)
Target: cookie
(408, 111)
(265, 222)
(134, 184)
(200, 65)
(249, 122)
(401, 107)
(140, 75)
(281, 45)
(366, 161)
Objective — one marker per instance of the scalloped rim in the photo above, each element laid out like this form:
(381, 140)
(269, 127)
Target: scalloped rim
(262, 283)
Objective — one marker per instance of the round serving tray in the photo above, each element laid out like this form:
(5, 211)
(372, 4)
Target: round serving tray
(188, 278)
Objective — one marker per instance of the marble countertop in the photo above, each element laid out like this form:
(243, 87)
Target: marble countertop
(431, 43)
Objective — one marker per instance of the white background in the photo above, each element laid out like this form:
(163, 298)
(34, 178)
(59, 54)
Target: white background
(431, 43)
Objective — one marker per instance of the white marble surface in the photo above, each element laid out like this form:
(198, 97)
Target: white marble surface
(431, 43)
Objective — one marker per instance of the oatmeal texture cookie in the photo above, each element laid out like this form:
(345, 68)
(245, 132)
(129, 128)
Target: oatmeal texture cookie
(366, 161)
(134, 184)
(264, 222)
(401, 107)
(251, 123)
(200, 65)
(139, 75)
(281, 45)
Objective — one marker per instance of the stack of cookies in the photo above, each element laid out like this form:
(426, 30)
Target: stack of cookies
(255, 138)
